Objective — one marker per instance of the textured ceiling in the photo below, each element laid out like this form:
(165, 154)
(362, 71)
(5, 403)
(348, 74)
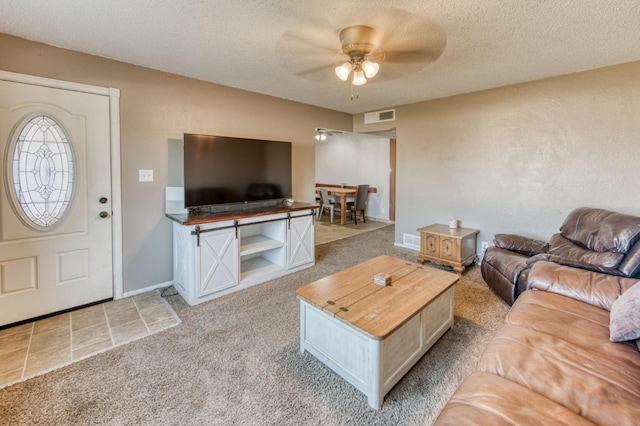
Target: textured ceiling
(256, 44)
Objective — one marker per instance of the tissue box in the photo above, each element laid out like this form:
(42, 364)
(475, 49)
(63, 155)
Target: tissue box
(382, 279)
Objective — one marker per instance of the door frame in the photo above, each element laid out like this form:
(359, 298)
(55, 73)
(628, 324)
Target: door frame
(392, 179)
(114, 124)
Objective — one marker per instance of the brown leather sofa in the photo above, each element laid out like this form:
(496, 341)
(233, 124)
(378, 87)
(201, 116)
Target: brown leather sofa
(592, 239)
(553, 362)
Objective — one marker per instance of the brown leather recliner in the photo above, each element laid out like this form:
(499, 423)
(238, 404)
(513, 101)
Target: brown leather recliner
(593, 239)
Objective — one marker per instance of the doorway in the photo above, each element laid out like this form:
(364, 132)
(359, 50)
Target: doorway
(60, 220)
(360, 158)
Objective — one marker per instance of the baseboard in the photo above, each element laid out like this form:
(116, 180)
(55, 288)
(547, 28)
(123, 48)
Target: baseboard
(147, 289)
(375, 219)
(407, 247)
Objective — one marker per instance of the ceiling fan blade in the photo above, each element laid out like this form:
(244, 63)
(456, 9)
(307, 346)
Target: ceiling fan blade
(300, 44)
(319, 73)
(403, 42)
(310, 52)
(424, 56)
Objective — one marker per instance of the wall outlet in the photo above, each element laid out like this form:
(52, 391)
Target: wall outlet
(145, 175)
(484, 246)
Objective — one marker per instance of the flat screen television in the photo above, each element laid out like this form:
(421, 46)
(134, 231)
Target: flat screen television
(229, 170)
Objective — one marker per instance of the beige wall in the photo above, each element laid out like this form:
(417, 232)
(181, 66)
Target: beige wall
(514, 159)
(517, 159)
(156, 107)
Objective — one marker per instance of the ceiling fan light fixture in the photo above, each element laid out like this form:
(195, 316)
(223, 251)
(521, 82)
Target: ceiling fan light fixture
(321, 134)
(343, 71)
(370, 68)
(358, 77)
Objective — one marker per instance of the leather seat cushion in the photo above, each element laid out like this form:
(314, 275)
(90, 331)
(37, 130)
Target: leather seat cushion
(572, 321)
(565, 248)
(578, 368)
(487, 399)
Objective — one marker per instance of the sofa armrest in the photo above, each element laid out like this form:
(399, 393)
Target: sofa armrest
(590, 287)
(520, 244)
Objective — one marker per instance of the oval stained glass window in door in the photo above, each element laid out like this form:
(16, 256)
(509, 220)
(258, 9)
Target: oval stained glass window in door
(42, 172)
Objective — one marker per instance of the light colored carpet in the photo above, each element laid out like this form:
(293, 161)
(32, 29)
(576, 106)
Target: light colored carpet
(235, 360)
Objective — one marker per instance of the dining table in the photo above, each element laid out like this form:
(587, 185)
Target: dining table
(341, 193)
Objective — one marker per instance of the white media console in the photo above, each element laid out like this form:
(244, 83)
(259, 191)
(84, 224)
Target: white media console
(219, 253)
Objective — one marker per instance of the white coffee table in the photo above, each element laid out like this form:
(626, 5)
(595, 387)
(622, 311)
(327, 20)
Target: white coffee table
(372, 335)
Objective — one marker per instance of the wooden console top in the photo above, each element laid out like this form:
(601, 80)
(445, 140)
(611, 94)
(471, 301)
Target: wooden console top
(207, 217)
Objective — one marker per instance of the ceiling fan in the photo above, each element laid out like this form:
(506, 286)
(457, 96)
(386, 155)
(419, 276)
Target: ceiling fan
(386, 43)
(359, 44)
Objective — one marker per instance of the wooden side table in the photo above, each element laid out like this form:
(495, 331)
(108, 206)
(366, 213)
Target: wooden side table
(450, 247)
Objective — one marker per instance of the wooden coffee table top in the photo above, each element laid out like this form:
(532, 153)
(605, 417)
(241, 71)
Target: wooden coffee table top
(351, 295)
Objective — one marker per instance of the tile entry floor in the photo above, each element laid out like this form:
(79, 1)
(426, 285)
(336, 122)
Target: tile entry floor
(37, 347)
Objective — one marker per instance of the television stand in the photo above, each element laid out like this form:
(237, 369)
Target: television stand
(217, 253)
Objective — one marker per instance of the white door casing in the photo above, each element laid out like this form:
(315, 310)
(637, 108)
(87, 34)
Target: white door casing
(78, 260)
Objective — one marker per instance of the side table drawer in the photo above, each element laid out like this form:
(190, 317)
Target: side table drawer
(430, 244)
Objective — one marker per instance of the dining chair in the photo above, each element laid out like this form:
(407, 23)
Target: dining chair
(359, 204)
(325, 203)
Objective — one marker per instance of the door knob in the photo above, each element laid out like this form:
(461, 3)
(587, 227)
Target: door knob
(104, 215)
(103, 200)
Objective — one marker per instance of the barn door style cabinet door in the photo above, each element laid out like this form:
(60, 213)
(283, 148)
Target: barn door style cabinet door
(217, 262)
(301, 241)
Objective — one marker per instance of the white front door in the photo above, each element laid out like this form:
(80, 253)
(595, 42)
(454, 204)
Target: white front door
(55, 200)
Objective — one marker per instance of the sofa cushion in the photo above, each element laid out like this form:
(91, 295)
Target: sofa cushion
(625, 316)
(573, 263)
(601, 230)
(542, 311)
(565, 248)
(487, 399)
(585, 381)
(595, 289)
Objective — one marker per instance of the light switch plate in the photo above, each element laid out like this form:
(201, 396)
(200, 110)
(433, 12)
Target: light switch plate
(145, 175)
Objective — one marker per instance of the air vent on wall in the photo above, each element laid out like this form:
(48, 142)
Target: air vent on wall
(380, 116)
(411, 241)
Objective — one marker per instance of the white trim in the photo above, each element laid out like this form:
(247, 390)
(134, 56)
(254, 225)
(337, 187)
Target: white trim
(407, 247)
(116, 193)
(147, 289)
(56, 84)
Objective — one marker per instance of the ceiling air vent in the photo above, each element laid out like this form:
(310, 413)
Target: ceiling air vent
(380, 116)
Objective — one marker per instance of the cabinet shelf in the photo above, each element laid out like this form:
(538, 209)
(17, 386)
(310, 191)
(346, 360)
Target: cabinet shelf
(257, 244)
(256, 267)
